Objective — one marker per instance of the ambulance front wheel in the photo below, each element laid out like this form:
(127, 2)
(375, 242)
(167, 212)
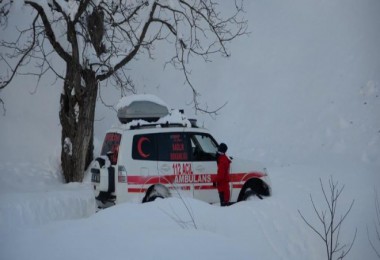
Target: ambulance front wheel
(254, 188)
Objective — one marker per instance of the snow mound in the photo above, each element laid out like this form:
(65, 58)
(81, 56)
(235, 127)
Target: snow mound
(31, 194)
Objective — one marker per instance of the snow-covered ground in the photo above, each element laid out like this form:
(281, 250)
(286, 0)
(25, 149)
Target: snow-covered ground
(41, 218)
(303, 97)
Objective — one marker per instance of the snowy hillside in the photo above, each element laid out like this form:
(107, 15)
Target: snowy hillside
(302, 93)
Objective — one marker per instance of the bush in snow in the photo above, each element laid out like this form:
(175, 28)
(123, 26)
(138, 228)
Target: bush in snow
(375, 243)
(331, 224)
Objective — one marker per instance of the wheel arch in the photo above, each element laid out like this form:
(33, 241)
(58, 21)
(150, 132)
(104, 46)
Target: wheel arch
(258, 185)
(156, 190)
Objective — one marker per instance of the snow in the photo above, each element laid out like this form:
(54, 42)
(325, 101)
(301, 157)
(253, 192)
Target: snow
(52, 220)
(70, 8)
(34, 194)
(303, 98)
(68, 146)
(128, 100)
(175, 117)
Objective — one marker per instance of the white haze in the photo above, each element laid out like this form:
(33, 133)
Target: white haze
(302, 96)
(308, 69)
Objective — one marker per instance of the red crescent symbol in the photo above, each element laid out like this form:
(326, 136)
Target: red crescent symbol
(139, 147)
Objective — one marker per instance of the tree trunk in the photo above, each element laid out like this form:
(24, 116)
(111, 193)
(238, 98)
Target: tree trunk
(77, 119)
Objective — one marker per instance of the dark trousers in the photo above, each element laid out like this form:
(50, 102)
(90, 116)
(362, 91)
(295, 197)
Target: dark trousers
(222, 200)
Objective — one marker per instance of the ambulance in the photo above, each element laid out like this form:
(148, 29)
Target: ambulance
(156, 152)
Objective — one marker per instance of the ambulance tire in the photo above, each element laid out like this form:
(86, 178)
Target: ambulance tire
(250, 194)
(254, 188)
(153, 198)
(156, 191)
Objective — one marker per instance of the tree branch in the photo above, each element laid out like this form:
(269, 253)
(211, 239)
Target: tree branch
(331, 229)
(377, 228)
(134, 51)
(19, 63)
(50, 33)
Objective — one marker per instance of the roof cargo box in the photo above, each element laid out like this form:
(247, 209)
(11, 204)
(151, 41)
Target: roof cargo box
(145, 107)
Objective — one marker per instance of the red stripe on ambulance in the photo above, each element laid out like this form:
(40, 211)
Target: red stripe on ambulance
(190, 178)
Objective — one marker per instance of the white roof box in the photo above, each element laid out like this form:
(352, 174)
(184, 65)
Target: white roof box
(146, 107)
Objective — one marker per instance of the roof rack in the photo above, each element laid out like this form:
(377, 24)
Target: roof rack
(162, 125)
(145, 107)
(138, 111)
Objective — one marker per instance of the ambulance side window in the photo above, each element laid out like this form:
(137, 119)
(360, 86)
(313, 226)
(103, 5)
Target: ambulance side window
(173, 147)
(203, 147)
(144, 147)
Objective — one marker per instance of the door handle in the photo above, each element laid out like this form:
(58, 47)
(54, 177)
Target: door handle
(199, 168)
(165, 168)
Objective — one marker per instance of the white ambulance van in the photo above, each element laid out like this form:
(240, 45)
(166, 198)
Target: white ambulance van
(158, 153)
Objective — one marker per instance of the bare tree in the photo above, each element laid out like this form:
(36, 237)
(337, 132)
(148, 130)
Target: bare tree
(375, 243)
(96, 39)
(331, 224)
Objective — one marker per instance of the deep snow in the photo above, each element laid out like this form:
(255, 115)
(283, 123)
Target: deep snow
(44, 219)
(303, 97)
